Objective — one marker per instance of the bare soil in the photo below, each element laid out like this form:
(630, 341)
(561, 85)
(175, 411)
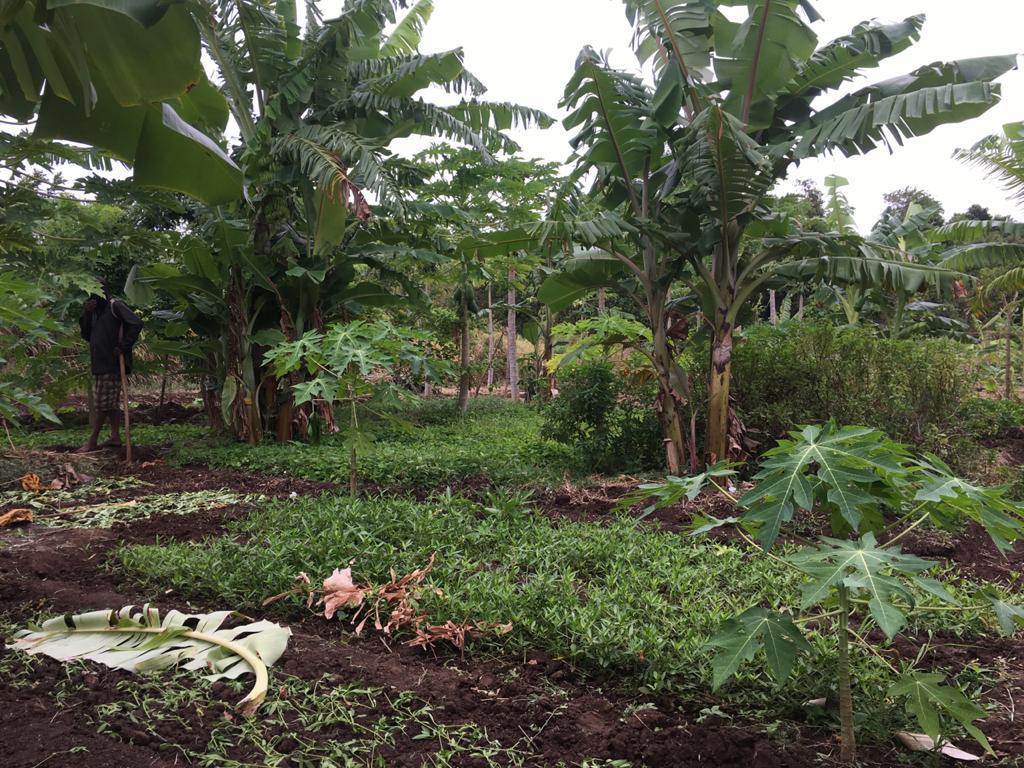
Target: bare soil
(570, 717)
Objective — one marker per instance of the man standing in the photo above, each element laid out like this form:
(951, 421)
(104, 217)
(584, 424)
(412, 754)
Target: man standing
(111, 329)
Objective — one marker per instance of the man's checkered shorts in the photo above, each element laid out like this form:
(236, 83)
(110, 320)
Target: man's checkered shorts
(107, 392)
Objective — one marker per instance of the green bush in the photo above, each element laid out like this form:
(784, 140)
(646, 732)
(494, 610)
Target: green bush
(802, 373)
(984, 417)
(610, 423)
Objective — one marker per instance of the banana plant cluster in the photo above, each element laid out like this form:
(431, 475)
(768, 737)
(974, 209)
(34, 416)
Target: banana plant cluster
(875, 493)
(743, 90)
(124, 78)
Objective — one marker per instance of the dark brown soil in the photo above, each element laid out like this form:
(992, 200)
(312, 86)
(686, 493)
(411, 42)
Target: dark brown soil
(598, 503)
(972, 550)
(565, 718)
(74, 411)
(1010, 447)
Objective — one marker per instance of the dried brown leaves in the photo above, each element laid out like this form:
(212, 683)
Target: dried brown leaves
(395, 599)
(14, 516)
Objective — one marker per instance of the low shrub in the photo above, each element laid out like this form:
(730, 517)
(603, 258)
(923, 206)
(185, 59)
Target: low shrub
(801, 373)
(609, 421)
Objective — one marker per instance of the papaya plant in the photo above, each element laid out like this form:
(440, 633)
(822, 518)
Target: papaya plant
(875, 492)
(349, 367)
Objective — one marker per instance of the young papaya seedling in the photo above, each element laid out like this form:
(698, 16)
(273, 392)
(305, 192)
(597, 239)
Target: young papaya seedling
(875, 492)
(340, 367)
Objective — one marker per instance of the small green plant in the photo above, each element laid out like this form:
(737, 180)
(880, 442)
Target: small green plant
(875, 493)
(607, 417)
(341, 365)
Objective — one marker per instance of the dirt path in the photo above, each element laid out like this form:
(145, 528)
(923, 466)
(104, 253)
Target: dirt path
(535, 702)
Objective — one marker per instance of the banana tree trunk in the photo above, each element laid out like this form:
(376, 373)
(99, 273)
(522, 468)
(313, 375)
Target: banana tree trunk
(512, 347)
(773, 312)
(545, 372)
(600, 301)
(245, 419)
(464, 358)
(670, 412)
(717, 448)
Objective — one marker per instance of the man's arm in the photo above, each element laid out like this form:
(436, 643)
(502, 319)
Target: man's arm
(85, 319)
(132, 323)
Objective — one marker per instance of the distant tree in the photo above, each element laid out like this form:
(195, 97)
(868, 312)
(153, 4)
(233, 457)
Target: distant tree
(974, 213)
(899, 201)
(813, 197)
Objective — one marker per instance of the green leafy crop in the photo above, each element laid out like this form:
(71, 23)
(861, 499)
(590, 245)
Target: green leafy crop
(875, 492)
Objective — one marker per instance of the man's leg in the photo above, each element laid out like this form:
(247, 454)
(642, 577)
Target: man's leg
(96, 419)
(115, 429)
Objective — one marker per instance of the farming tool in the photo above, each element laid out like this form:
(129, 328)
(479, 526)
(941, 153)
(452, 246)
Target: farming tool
(124, 396)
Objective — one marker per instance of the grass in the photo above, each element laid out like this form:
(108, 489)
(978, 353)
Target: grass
(618, 602)
(142, 434)
(498, 443)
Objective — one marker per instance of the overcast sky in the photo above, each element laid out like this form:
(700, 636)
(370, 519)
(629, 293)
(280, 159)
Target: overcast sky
(524, 52)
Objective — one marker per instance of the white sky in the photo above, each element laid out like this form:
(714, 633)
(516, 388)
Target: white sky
(524, 52)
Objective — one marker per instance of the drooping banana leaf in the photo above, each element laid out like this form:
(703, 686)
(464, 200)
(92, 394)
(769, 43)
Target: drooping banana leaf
(137, 640)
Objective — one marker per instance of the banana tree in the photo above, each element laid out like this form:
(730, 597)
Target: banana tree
(736, 103)
(1001, 157)
(317, 112)
(125, 78)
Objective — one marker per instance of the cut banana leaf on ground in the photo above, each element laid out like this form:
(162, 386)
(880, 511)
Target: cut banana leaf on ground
(919, 742)
(137, 640)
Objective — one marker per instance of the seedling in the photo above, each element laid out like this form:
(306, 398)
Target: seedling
(876, 493)
(341, 364)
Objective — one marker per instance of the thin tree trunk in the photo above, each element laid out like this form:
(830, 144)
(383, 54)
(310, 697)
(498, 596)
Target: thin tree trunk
(800, 312)
(773, 313)
(847, 740)
(512, 346)
(163, 394)
(549, 351)
(490, 339)
(1008, 384)
(464, 370)
(490, 363)
(600, 301)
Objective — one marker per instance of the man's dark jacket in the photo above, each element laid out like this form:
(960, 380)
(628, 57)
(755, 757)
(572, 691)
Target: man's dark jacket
(101, 329)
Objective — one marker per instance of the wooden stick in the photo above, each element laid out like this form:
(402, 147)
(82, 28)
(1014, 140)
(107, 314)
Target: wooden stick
(124, 397)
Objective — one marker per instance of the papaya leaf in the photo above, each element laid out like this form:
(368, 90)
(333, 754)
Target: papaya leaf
(846, 462)
(864, 567)
(738, 640)
(927, 699)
